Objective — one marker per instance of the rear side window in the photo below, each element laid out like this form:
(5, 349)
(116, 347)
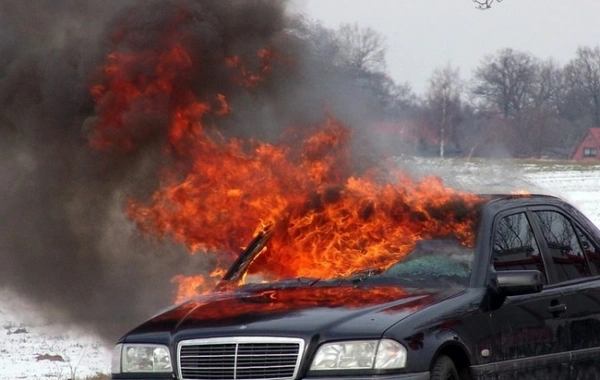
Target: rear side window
(515, 246)
(591, 250)
(563, 245)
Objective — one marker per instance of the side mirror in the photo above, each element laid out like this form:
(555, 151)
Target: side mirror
(518, 282)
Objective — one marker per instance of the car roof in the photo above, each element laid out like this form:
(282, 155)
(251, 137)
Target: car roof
(497, 201)
(533, 198)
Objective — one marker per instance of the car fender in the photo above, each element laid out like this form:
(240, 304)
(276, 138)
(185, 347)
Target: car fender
(425, 346)
(450, 343)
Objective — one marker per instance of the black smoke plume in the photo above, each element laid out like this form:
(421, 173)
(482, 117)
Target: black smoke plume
(65, 242)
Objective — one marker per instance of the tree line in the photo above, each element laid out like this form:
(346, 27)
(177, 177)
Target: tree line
(515, 105)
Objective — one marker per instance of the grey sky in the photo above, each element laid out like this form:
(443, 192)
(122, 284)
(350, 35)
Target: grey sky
(422, 35)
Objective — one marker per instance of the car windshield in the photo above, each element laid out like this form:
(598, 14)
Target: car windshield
(434, 263)
(431, 264)
(435, 258)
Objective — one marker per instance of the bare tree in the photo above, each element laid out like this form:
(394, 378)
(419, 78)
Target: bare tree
(543, 119)
(362, 49)
(505, 82)
(355, 56)
(529, 95)
(402, 98)
(321, 41)
(485, 4)
(444, 102)
(548, 86)
(583, 78)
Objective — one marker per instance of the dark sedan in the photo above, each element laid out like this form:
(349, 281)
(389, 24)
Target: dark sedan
(519, 299)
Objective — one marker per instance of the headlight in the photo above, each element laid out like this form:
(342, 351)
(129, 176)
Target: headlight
(131, 358)
(362, 354)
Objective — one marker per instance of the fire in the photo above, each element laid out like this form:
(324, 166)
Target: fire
(364, 224)
(217, 192)
(248, 78)
(189, 285)
(129, 89)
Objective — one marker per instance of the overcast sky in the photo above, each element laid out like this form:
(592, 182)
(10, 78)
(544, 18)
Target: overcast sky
(422, 35)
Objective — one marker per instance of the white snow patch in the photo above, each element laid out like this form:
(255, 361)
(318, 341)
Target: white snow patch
(33, 347)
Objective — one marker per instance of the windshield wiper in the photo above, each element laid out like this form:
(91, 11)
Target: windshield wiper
(303, 281)
(246, 257)
(362, 274)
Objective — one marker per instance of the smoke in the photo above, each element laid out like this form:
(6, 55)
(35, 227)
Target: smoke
(65, 242)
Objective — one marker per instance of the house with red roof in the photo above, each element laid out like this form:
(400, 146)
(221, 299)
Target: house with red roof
(588, 147)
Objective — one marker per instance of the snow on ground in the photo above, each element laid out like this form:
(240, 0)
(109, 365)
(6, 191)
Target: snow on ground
(33, 347)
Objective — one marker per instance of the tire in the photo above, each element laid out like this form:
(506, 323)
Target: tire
(444, 369)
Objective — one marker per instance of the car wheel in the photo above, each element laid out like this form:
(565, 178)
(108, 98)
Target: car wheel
(444, 369)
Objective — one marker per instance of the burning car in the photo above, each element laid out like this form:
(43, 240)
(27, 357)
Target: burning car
(511, 289)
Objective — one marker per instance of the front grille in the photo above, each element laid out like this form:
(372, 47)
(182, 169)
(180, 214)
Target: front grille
(241, 358)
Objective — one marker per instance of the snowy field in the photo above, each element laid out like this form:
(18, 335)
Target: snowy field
(33, 347)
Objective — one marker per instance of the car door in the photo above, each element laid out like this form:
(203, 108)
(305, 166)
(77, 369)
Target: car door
(530, 329)
(575, 255)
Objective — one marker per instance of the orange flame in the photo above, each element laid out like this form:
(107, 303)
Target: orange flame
(521, 192)
(328, 222)
(248, 78)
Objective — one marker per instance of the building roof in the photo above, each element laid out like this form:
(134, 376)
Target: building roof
(595, 131)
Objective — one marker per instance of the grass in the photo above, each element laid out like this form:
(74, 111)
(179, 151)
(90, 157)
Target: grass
(98, 376)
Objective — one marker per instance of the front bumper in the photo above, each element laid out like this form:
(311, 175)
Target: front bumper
(406, 376)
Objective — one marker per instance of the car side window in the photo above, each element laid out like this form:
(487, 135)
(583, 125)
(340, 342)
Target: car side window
(590, 249)
(563, 244)
(515, 246)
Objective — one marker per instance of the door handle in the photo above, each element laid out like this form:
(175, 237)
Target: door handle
(558, 309)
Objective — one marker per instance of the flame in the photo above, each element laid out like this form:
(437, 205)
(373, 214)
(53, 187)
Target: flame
(366, 225)
(247, 77)
(521, 192)
(189, 285)
(221, 191)
(127, 90)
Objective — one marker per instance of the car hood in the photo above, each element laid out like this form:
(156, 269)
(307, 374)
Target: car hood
(296, 311)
